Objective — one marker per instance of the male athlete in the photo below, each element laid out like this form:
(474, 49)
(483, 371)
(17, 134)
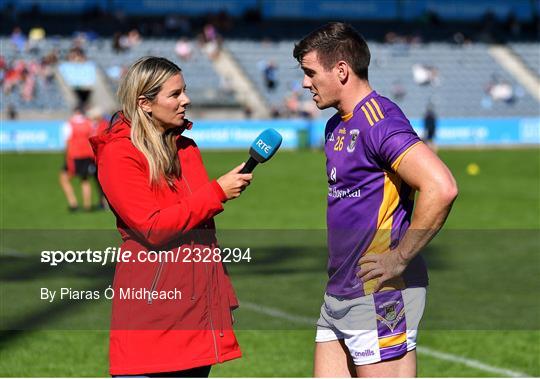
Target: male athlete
(375, 162)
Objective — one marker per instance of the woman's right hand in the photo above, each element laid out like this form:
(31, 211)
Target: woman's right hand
(233, 182)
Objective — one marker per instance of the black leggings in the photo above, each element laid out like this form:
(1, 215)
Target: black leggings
(197, 372)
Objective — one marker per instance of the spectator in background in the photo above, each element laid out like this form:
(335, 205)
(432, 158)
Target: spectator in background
(210, 33)
(184, 49)
(123, 42)
(35, 37)
(3, 67)
(211, 41)
(133, 39)
(430, 127)
(47, 65)
(500, 90)
(270, 76)
(76, 54)
(13, 75)
(18, 39)
(21, 75)
(30, 73)
(425, 74)
(79, 159)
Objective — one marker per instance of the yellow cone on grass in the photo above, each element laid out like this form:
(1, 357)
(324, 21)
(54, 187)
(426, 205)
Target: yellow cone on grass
(473, 169)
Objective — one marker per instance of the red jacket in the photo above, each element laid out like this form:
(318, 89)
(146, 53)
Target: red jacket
(100, 126)
(154, 335)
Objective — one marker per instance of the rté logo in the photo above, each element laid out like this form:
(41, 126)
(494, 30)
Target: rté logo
(263, 146)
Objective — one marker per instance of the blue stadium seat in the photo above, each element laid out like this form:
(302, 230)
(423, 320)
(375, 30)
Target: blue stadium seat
(463, 74)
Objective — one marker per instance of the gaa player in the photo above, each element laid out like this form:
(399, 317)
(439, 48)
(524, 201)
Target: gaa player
(375, 162)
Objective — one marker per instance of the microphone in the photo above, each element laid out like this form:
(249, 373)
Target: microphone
(262, 149)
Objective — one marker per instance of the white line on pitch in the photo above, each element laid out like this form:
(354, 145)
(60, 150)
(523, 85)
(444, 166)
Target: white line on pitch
(277, 313)
(470, 363)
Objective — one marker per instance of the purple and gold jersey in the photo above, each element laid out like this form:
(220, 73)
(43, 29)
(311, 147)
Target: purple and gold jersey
(369, 206)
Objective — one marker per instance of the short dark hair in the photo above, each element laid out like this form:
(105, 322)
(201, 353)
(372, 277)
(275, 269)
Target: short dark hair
(334, 42)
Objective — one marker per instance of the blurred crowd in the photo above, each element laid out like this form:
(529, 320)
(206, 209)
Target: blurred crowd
(21, 75)
(31, 59)
(35, 63)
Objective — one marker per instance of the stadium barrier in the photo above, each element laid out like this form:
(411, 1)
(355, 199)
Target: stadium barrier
(297, 134)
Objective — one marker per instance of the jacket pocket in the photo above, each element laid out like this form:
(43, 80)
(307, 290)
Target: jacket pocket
(155, 281)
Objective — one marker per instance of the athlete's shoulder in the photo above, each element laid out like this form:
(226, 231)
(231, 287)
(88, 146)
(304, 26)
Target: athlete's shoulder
(379, 110)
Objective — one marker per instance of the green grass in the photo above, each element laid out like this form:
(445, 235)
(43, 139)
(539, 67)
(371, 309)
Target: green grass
(484, 267)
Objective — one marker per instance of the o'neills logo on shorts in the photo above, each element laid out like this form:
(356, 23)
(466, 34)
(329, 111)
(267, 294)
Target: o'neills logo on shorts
(365, 353)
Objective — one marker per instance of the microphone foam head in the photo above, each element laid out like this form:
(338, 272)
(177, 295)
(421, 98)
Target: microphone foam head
(265, 145)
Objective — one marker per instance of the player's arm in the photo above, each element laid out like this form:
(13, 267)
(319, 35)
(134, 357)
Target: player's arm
(437, 189)
(421, 169)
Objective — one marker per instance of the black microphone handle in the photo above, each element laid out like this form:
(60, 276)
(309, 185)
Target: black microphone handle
(249, 166)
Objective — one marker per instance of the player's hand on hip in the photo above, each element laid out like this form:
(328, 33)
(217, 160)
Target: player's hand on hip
(233, 182)
(383, 267)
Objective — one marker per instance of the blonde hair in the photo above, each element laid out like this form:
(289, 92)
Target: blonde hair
(145, 78)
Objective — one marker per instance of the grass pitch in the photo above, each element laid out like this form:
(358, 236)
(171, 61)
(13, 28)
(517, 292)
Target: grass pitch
(484, 269)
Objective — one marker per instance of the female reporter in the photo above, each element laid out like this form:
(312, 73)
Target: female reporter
(156, 184)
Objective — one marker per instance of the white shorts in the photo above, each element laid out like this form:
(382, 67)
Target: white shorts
(375, 327)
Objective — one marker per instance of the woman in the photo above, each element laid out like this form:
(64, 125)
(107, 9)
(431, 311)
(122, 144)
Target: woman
(156, 184)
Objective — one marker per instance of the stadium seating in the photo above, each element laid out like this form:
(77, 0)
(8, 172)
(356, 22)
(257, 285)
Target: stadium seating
(203, 83)
(460, 90)
(47, 95)
(463, 75)
(530, 54)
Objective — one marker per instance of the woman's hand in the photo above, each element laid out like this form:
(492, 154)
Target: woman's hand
(233, 183)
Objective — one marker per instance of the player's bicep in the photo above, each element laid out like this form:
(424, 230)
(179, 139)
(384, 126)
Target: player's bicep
(420, 168)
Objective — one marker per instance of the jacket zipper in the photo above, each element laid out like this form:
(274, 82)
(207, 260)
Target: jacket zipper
(209, 293)
(155, 281)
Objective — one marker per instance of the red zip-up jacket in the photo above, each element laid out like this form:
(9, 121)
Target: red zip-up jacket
(152, 335)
